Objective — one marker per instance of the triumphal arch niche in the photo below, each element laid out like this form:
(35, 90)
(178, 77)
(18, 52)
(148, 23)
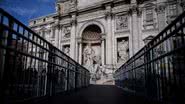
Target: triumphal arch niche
(93, 52)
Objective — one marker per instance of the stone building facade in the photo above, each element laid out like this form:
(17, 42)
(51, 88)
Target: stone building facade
(103, 34)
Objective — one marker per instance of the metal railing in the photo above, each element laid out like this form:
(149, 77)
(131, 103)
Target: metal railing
(157, 71)
(31, 67)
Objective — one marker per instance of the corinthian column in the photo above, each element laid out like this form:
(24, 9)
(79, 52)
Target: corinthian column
(161, 14)
(134, 38)
(60, 37)
(73, 37)
(80, 55)
(56, 35)
(109, 36)
(103, 49)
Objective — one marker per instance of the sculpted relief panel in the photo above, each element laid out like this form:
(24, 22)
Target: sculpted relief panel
(67, 31)
(121, 22)
(73, 4)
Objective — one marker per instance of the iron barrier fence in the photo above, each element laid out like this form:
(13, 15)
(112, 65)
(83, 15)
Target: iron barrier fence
(157, 71)
(31, 67)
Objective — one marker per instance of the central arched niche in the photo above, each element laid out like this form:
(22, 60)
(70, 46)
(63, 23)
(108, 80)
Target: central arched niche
(92, 55)
(91, 33)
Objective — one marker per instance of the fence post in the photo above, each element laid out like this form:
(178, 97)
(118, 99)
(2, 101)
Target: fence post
(67, 76)
(49, 73)
(76, 75)
(2, 58)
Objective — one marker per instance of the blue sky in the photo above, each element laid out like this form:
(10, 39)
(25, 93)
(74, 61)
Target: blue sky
(24, 10)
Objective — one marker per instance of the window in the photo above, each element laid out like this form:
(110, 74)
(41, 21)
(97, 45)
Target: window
(149, 15)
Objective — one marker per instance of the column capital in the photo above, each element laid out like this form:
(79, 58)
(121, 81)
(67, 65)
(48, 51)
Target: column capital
(139, 13)
(73, 22)
(48, 30)
(108, 14)
(133, 9)
(56, 26)
(160, 8)
(182, 4)
(108, 10)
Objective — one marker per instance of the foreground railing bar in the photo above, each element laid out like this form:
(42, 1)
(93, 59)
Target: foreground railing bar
(160, 73)
(42, 68)
(162, 32)
(33, 42)
(29, 55)
(153, 46)
(20, 35)
(40, 46)
(35, 57)
(153, 60)
(169, 35)
(180, 17)
(128, 62)
(22, 25)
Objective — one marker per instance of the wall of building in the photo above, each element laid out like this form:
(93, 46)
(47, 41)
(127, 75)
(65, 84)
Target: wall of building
(119, 21)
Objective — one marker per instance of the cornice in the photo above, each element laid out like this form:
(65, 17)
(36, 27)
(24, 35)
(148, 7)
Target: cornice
(42, 17)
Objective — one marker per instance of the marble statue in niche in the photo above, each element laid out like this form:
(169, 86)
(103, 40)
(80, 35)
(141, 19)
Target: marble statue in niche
(88, 54)
(121, 22)
(67, 31)
(92, 61)
(67, 50)
(123, 51)
(97, 68)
